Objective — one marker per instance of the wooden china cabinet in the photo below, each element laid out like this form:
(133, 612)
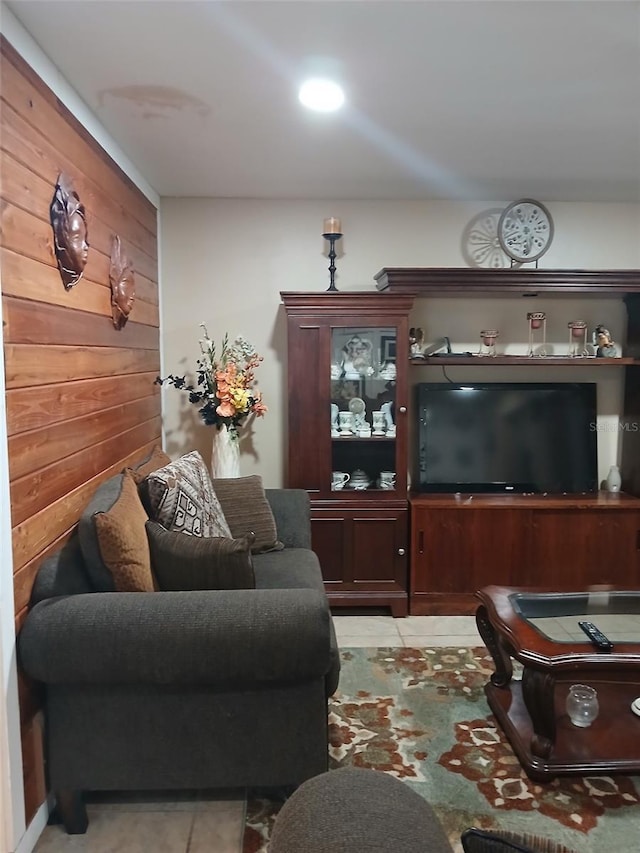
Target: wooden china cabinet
(348, 419)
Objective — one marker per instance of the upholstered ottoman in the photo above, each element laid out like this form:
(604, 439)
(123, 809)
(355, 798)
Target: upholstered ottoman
(355, 810)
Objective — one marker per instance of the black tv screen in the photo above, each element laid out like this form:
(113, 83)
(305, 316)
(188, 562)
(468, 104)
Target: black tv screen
(507, 437)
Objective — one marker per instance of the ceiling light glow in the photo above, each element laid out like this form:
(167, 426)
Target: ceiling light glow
(321, 95)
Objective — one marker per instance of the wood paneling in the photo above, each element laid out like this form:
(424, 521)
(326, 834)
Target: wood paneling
(29, 279)
(26, 93)
(35, 790)
(57, 522)
(31, 452)
(81, 400)
(25, 365)
(27, 322)
(31, 408)
(41, 488)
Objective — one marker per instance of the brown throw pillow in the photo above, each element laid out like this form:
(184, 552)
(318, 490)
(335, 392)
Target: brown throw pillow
(156, 459)
(247, 510)
(183, 562)
(122, 540)
(180, 496)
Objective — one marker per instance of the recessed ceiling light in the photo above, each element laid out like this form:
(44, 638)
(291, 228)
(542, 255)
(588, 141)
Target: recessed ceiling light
(321, 94)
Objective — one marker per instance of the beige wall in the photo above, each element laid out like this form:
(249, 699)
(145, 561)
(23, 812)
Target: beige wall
(224, 262)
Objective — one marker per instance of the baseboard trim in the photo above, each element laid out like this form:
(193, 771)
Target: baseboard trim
(35, 829)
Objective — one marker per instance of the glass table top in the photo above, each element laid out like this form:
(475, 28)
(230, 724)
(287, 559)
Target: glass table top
(556, 615)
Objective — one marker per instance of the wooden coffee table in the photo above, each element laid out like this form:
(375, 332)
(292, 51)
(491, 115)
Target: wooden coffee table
(541, 631)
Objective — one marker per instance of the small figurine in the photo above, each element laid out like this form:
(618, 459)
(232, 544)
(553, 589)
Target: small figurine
(416, 342)
(605, 346)
(357, 357)
(334, 421)
(385, 408)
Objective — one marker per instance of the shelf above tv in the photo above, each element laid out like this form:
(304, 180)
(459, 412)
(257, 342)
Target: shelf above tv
(521, 361)
(468, 281)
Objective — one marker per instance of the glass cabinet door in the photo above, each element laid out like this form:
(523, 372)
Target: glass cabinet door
(363, 403)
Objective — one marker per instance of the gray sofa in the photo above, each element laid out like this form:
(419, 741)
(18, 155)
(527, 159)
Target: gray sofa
(183, 690)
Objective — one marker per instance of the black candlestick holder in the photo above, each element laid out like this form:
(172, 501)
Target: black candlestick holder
(332, 238)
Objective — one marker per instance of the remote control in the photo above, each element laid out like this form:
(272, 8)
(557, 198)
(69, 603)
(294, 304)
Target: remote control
(602, 643)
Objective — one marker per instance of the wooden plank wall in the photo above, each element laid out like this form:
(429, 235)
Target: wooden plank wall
(81, 403)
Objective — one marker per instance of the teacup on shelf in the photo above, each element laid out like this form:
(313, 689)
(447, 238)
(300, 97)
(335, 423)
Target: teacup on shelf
(339, 479)
(387, 480)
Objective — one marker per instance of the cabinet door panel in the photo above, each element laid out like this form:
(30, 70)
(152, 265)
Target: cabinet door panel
(309, 412)
(574, 549)
(376, 542)
(329, 539)
(460, 550)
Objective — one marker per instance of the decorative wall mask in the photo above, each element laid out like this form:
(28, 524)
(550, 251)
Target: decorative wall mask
(123, 291)
(70, 235)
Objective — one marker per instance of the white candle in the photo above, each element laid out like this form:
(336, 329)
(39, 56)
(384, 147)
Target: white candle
(332, 226)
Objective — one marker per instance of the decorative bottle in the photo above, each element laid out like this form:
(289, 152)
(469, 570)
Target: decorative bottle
(614, 480)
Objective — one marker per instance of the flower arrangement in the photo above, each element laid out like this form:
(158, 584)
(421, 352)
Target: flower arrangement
(224, 387)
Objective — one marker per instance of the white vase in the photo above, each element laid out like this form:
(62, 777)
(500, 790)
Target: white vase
(225, 454)
(614, 480)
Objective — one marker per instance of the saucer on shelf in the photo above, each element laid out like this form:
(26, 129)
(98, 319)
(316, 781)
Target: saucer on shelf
(635, 706)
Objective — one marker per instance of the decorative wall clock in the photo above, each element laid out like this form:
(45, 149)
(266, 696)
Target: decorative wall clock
(525, 230)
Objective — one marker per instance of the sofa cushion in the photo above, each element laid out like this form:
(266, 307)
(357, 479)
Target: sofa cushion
(103, 499)
(247, 510)
(63, 573)
(182, 562)
(180, 496)
(156, 459)
(293, 568)
(122, 540)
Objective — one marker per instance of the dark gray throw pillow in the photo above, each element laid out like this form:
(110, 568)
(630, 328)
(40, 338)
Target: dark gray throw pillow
(247, 510)
(184, 562)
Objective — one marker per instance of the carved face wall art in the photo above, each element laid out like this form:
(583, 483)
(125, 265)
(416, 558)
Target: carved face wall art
(122, 284)
(70, 235)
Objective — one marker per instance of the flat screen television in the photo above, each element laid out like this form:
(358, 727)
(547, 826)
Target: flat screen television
(507, 437)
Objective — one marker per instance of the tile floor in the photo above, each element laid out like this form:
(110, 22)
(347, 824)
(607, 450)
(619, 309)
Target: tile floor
(187, 824)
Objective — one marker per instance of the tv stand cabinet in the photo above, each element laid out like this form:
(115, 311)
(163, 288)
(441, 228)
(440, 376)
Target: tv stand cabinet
(461, 543)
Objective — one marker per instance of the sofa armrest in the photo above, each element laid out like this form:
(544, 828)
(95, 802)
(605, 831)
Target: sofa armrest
(290, 508)
(229, 638)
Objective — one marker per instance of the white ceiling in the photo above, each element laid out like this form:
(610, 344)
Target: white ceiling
(445, 98)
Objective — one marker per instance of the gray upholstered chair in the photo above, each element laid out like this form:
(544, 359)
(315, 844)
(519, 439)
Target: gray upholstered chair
(354, 810)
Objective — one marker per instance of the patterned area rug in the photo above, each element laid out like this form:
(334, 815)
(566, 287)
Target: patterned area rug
(421, 715)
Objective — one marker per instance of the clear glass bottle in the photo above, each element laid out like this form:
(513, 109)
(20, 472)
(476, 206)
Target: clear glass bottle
(614, 480)
(582, 705)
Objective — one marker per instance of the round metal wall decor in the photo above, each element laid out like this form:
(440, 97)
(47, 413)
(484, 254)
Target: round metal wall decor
(480, 245)
(525, 230)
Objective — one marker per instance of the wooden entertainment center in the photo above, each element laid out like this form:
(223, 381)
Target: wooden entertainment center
(456, 543)
(553, 542)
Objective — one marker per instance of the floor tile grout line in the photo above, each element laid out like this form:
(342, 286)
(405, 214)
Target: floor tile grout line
(191, 829)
